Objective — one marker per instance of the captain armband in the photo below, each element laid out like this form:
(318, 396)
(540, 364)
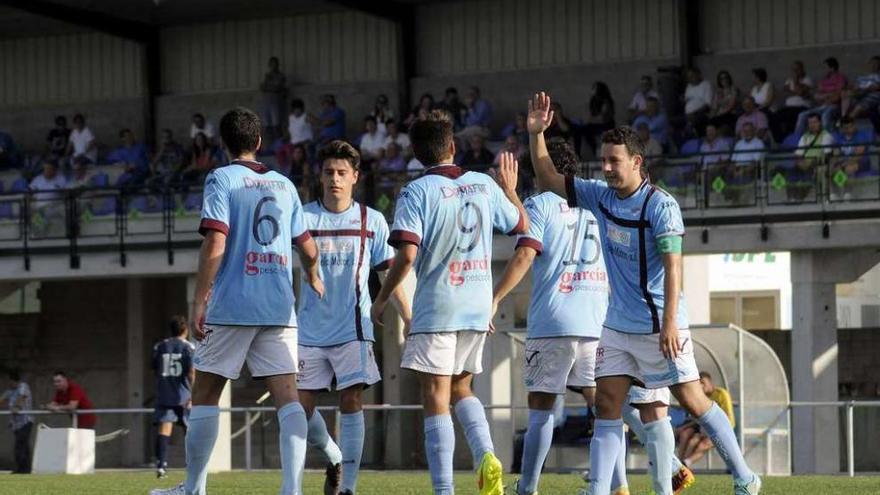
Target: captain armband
(670, 244)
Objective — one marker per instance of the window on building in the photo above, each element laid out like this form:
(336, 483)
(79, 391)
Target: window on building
(752, 310)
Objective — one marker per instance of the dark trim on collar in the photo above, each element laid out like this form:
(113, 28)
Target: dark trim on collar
(449, 171)
(255, 166)
(643, 184)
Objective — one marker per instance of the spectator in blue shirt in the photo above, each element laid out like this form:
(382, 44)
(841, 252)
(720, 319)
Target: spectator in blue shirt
(9, 155)
(517, 128)
(655, 120)
(134, 156)
(452, 105)
(18, 398)
(850, 155)
(331, 120)
(477, 115)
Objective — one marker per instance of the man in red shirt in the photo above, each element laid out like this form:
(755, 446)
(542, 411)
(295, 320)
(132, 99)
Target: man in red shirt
(69, 396)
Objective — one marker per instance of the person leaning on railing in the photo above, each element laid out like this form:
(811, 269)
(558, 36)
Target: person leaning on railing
(71, 397)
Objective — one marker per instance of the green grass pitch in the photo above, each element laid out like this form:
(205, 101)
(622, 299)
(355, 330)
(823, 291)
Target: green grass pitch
(399, 483)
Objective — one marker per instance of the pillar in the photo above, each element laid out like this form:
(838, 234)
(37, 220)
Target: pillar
(135, 453)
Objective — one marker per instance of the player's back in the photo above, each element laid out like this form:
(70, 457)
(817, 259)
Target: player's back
(450, 214)
(261, 213)
(569, 282)
(172, 361)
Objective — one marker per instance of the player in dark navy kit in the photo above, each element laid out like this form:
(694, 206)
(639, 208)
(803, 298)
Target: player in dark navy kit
(172, 365)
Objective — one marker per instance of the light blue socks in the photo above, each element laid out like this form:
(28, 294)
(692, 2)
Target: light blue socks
(472, 416)
(717, 426)
(204, 423)
(319, 438)
(660, 444)
(536, 445)
(634, 421)
(604, 450)
(292, 441)
(439, 448)
(352, 440)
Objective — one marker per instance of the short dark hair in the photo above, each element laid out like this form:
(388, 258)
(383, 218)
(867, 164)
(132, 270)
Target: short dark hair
(125, 131)
(370, 118)
(59, 373)
(846, 120)
(760, 73)
(832, 62)
(14, 375)
(79, 117)
(652, 98)
(814, 116)
(563, 156)
(626, 136)
(705, 374)
(198, 115)
(60, 120)
(297, 103)
(240, 130)
(431, 136)
(340, 150)
(177, 326)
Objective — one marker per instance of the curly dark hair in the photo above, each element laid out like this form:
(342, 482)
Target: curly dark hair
(341, 150)
(626, 136)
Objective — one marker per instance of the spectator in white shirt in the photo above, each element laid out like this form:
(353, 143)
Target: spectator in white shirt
(401, 139)
(199, 124)
(698, 97)
(798, 91)
(640, 98)
(714, 147)
(298, 124)
(49, 183)
(82, 141)
(762, 90)
(749, 149)
(372, 142)
(383, 113)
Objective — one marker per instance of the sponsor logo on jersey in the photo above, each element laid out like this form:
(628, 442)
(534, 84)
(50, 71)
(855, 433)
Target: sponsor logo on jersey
(619, 236)
(469, 271)
(264, 184)
(264, 263)
(463, 190)
(568, 280)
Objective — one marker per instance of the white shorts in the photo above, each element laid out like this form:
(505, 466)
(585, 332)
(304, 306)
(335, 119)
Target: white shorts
(351, 363)
(639, 395)
(268, 351)
(552, 364)
(639, 356)
(444, 353)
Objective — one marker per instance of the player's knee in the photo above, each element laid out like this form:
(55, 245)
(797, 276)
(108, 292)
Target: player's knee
(691, 397)
(541, 401)
(350, 400)
(608, 405)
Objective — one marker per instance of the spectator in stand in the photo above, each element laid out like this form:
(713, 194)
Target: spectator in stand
(383, 113)
(517, 128)
(300, 172)
(749, 148)
(714, 147)
(331, 120)
(58, 137)
(798, 92)
(134, 156)
(372, 142)
(82, 141)
(414, 167)
(562, 127)
(829, 95)
(283, 151)
(865, 96)
(698, 98)
(401, 139)
(511, 145)
(850, 155)
(202, 159)
(298, 124)
(392, 161)
(426, 103)
(656, 121)
(18, 398)
(653, 149)
(167, 161)
(79, 175)
(724, 106)
(201, 125)
(273, 90)
(478, 155)
(453, 106)
(9, 154)
(600, 116)
(478, 114)
(815, 144)
(49, 183)
(752, 115)
(640, 99)
(70, 397)
(762, 90)
(694, 443)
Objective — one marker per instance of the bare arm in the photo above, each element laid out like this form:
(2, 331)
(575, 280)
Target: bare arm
(401, 302)
(403, 263)
(210, 256)
(308, 257)
(671, 294)
(517, 267)
(508, 171)
(539, 119)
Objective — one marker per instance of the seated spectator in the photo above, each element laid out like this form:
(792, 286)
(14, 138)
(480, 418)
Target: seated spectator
(383, 113)
(372, 142)
(693, 443)
(562, 127)
(865, 96)
(655, 120)
(714, 147)
(815, 144)
(453, 106)
(273, 91)
(653, 149)
(202, 159)
(79, 175)
(640, 99)
(698, 97)
(82, 141)
(300, 172)
(331, 120)
(798, 92)
(599, 119)
(478, 114)
(762, 90)
(298, 124)
(828, 97)
(49, 184)
(724, 106)
(511, 145)
(283, 151)
(70, 397)
(850, 155)
(168, 160)
(752, 115)
(414, 167)
(200, 125)
(392, 161)
(426, 103)
(58, 137)
(477, 156)
(749, 148)
(133, 155)
(517, 128)
(401, 139)
(9, 154)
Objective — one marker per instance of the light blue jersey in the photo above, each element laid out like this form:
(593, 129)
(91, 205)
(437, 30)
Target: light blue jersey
(449, 214)
(569, 282)
(345, 248)
(629, 230)
(260, 212)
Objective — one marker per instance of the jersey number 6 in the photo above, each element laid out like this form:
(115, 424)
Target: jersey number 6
(273, 222)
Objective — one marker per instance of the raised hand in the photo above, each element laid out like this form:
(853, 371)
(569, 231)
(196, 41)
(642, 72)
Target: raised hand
(508, 172)
(540, 116)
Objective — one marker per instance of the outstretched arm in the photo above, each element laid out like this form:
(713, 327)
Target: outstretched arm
(516, 269)
(539, 119)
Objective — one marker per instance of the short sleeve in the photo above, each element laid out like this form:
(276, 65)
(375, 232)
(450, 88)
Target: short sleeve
(534, 238)
(505, 216)
(298, 231)
(381, 253)
(665, 216)
(408, 217)
(154, 361)
(75, 393)
(582, 193)
(215, 205)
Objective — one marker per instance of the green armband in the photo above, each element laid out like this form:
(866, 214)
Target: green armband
(670, 244)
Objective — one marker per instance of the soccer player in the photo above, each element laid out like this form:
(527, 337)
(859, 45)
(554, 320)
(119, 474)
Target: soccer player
(172, 364)
(336, 334)
(569, 299)
(443, 226)
(645, 338)
(243, 306)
